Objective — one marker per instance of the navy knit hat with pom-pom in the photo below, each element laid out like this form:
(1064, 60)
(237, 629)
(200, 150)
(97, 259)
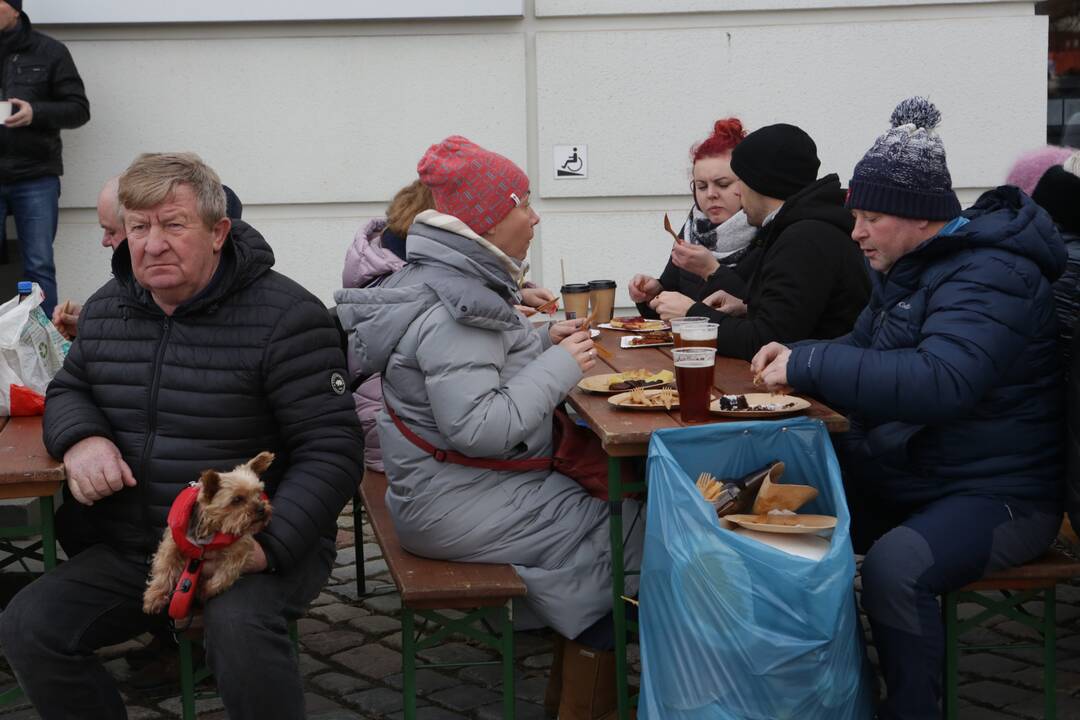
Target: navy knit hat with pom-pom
(904, 173)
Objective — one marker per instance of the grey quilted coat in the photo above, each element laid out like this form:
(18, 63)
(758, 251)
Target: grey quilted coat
(465, 371)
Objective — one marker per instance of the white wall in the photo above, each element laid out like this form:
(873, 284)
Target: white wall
(316, 124)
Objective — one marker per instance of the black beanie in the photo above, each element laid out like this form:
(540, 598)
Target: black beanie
(1057, 194)
(17, 4)
(776, 161)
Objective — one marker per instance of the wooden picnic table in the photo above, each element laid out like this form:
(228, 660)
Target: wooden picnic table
(27, 471)
(626, 433)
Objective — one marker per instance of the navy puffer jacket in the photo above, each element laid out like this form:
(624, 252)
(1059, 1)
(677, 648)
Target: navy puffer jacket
(252, 363)
(952, 371)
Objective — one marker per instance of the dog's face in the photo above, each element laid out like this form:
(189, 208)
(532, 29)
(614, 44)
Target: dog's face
(232, 502)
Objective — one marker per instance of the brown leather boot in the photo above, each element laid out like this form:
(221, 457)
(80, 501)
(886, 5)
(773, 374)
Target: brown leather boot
(554, 685)
(588, 687)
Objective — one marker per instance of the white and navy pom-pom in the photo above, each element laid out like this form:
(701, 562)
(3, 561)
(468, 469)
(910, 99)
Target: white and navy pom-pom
(917, 111)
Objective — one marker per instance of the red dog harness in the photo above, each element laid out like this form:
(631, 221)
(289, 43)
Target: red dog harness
(179, 519)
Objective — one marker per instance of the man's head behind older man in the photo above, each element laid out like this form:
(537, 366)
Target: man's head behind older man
(174, 215)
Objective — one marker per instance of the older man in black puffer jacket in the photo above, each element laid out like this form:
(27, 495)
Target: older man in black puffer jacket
(196, 355)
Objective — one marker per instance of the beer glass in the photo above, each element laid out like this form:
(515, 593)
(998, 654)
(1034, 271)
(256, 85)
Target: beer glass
(699, 335)
(678, 323)
(694, 378)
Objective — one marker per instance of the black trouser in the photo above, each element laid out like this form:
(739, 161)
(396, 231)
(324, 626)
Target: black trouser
(50, 629)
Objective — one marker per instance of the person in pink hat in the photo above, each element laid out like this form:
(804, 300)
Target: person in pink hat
(470, 390)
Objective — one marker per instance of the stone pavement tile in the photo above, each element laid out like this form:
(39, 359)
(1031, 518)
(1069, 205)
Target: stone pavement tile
(456, 653)
(310, 665)
(528, 643)
(1033, 707)
(344, 574)
(372, 551)
(202, 705)
(491, 676)
(537, 662)
(337, 683)
(463, 697)
(988, 664)
(324, 599)
(531, 689)
(26, 713)
(378, 701)
(141, 713)
(308, 625)
(372, 661)
(1067, 682)
(385, 604)
(430, 713)
(995, 694)
(346, 556)
(393, 640)
(522, 711)
(336, 714)
(971, 712)
(427, 681)
(338, 612)
(332, 641)
(375, 625)
(314, 704)
(375, 567)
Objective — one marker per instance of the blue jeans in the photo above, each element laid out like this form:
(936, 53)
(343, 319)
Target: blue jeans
(36, 207)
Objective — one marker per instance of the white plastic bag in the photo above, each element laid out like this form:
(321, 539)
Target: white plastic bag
(31, 353)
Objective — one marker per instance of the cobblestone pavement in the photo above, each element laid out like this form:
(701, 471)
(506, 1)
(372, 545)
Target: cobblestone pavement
(351, 662)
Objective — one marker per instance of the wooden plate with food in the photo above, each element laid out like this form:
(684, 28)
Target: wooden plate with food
(643, 340)
(625, 381)
(642, 399)
(635, 324)
(777, 523)
(758, 405)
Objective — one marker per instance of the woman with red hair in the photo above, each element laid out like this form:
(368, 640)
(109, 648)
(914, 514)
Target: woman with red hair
(715, 237)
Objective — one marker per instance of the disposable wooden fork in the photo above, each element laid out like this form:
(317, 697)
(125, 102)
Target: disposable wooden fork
(667, 226)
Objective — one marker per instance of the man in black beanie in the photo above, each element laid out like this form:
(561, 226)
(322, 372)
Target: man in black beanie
(40, 94)
(810, 280)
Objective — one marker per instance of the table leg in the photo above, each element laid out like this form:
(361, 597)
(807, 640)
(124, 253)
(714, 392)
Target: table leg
(48, 533)
(615, 493)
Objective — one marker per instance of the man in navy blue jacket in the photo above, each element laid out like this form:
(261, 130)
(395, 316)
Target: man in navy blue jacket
(951, 377)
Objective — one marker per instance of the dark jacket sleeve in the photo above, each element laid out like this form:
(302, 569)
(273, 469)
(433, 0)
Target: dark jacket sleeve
(1072, 443)
(67, 107)
(318, 427)
(791, 292)
(970, 338)
(71, 414)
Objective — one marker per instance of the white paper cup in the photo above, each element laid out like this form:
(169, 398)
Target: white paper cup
(5, 109)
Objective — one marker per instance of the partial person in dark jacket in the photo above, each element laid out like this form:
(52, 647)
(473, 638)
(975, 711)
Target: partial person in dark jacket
(952, 381)
(712, 253)
(39, 80)
(809, 281)
(196, 355)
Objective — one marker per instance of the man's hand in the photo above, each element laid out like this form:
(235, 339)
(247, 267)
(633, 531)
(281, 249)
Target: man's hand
(23, 115)
(561, 330)
(696, 259)
(644, 288)
(95, 470)
(770, 367)
(726, 303)
(66, 318)
(671, 305)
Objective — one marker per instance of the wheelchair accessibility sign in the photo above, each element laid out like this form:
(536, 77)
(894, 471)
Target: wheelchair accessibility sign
(570, 161)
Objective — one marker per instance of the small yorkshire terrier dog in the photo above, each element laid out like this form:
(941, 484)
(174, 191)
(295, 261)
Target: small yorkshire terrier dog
(227, 512)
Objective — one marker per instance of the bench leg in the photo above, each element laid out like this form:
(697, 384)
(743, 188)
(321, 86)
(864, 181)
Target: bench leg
(618, 581)
(1049, 647)
(187, 680)
(48, 534)
(507, 650)
(408, 662)
(358, 543)
(952, 653)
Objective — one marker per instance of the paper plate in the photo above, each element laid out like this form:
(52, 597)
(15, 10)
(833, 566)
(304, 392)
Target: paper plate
(646, 326)
(798, 404)
(622, 400)
(626, 343)
(811, 547)
(599, 383)
(593, 332)
(788, 524)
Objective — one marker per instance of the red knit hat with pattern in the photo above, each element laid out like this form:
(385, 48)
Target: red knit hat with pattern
(474, 185)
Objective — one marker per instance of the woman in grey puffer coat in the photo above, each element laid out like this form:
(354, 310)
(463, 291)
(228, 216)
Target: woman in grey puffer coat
(466, 372)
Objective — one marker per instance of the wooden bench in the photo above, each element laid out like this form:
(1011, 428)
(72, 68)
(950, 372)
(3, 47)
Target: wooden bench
(428, 586)
(1013, 588)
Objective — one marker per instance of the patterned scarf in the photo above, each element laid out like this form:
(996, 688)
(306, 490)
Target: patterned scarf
(728, 241)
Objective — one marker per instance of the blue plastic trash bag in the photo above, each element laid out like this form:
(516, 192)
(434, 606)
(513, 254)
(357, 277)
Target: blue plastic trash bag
(732, 628)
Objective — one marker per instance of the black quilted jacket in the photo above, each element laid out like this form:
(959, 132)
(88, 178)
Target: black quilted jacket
(252, 363)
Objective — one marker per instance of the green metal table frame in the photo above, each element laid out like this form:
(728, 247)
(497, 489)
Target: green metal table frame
(490, 626)
(1009, 604)
(43, 550)
(617, 490)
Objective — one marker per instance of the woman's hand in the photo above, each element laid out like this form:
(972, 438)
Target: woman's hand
(726, 303)
(671, 305)
(561, 330)
(537, 297)
(770, 367)
(580, 347)
(644, 288)
(696, 259)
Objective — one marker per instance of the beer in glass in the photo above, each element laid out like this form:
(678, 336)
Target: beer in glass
(699, 335)
(694, 378)
(677, 324)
